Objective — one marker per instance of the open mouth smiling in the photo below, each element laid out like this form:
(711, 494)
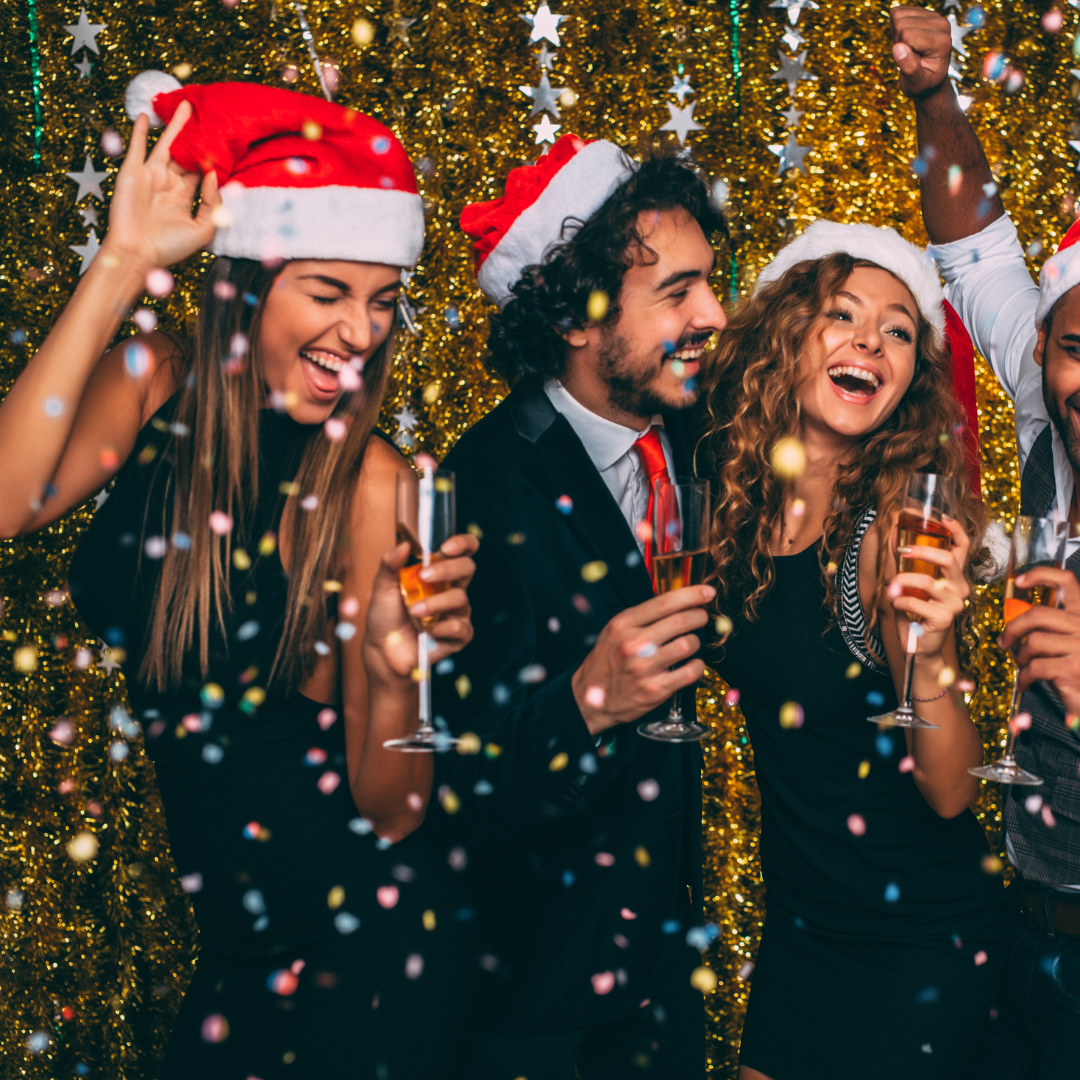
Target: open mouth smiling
(855, 381)
(329, 361)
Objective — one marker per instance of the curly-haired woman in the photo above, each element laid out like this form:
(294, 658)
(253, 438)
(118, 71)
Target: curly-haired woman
(250, 490)
(882, 941)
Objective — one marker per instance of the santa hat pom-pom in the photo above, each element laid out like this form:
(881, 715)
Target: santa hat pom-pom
(141, 91)
(996, 539)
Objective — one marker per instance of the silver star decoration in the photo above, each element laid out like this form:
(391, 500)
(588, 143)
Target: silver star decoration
(545, 130)
(545, 58)
(1075, 144)
(107, 662)
(682, 121)
(545, 25)
(791, 155)
(87, 251)
(543, 96)
(794, 8)
(406, 419)
(100, 498)
(792, 38)
(958, 34)
(399, 29)
(89, 214)
(83, 67)
(84, 34)
(792, 116)
(956, 4)
(89, 181)
(681, 87)
(792, 70)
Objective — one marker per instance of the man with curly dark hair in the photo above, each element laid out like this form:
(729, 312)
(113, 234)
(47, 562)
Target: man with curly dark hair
(583, 839)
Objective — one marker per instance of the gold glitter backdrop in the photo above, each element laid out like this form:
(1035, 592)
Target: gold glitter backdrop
(93, 922)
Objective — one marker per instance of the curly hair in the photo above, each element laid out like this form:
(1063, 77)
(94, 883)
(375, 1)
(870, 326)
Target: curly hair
(526, 343)
(750, 402)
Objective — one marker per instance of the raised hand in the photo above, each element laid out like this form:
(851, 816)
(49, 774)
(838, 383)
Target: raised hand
(946, 595)
(922, 49)
(150, 214)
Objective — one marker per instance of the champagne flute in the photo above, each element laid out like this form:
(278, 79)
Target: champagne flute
(928, 498)
(680, 535)
(425, 518)
(1035, 542)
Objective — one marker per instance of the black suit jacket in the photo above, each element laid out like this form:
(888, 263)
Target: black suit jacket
(579, 855)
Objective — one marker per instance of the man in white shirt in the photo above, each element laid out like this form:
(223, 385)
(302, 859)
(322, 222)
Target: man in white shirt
(1031, 337)
(583, 838)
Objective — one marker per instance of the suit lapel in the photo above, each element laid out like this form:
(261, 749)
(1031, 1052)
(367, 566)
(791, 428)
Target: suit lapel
(677, 431)
(559, 465)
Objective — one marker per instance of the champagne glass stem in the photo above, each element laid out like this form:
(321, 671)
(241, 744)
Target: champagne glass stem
(424, 671)
(1014, 704)
(675, 711)
(909, 673)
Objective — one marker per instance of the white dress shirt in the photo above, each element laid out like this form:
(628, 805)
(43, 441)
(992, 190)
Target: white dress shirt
(609, 446)
(987, 281)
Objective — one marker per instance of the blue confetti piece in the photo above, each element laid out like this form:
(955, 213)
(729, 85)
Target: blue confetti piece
(928, 995)
(444, 667)
(671, 926)
(892, 892)
(568, 878)
(875, 698)
(588, 764)
(483, 787)
(884, 745)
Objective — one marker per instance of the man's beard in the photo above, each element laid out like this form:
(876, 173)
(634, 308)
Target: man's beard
(1065, 429)
(630, 388)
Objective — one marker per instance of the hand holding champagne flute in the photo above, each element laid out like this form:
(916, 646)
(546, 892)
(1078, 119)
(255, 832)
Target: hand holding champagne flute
(928, 499)
(425, 519)
(679, 552)
(1035, 542)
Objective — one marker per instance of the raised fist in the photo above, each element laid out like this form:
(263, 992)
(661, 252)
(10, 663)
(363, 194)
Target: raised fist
(922, 49)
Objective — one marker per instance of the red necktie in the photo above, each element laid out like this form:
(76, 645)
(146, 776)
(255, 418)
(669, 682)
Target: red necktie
(651, 454)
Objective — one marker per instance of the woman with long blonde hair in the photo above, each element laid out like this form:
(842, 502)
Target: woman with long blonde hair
(245, 560)
(883, 933)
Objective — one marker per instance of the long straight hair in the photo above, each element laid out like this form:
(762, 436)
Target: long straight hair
(216, 468)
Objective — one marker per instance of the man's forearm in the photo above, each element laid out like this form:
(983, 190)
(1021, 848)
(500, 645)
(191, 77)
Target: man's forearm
(960, 207)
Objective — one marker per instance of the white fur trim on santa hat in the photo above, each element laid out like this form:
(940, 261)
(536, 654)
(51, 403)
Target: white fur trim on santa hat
(883, 246)
(141, 91)
(358, 224)
(577, 191)
(1060, 273)
(997, 540)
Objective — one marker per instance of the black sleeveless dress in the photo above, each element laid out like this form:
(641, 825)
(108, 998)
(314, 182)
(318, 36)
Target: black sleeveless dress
(322, 950)
(884, 936)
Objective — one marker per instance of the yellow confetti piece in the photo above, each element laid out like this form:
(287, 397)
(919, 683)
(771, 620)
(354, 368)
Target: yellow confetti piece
(82, 847)
(182, 71)
(431, 393)
(864, 769)
(25, 659)
(724, 625)
(704, 979)
(444, 485)
(946, 677)
(641, 854)
(559, 762)
(788, 458)
(335, 898)
(267, 544)
(362, 33)
(474, 530)
(516, 538)
(254, 695)
(991, 864)
(289, 488)
(241, 559)
(469, 743)
(594, 571)
(450, 801)
(331, 586)
(854, 670)
(311, 130)
(597, 307)
(492, 750)
(429, 919)
(463, 686)
(791, 715)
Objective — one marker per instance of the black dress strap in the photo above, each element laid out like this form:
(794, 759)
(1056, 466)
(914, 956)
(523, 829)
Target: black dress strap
(863, 642)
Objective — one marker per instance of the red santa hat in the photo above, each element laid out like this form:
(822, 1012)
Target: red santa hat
(568, 184)
(301, 178)
(1059, 274)
(888, 249)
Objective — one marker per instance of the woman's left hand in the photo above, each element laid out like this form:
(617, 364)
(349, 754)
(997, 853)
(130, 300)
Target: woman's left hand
(946, 595)
(391, 643)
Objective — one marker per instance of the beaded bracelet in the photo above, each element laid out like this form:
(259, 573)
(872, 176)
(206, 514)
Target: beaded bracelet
(934, 698)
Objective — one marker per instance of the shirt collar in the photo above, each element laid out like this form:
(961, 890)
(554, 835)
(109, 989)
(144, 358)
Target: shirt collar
(605, 441)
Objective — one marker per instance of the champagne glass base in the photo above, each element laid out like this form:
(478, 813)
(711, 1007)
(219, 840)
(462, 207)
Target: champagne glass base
(1006, 773)
(901, 718)
(424, 741)
(674, 731)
